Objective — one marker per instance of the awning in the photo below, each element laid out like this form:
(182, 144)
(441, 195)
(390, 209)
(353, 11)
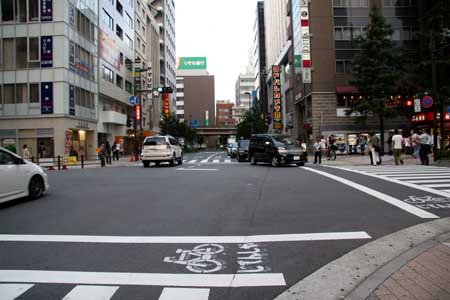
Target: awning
(346, 89)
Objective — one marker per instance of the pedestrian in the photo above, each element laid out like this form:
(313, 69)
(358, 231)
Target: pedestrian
(415, 144)
(318, 147)
(363, 144)
(41, 150)
(332, 147)
(389, 142)
(408, 143)
(114, 150)
(397, 145)
(425, 147)
(374, 149)
(26, 154)
(117, 152)
(102, 154)
(108, 152)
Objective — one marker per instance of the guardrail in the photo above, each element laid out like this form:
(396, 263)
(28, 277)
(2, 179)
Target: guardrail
(61, 163)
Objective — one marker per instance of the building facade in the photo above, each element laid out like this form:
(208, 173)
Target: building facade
(48, 76)
(224, 113)
(165, 17)
(116, 63)
(259, 55)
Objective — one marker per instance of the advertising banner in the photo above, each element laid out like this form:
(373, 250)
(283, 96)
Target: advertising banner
(191, 63)
(137, 79)
(72, 56)
(71, 100)
(46, 51)
(46, 10)
(277, 111)
(305, 42)
(166, 104)
(46, 98)
(71, 15)
(108, 49)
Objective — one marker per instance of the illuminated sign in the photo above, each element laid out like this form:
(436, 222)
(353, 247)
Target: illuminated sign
(277, 112)
(191, 63)
(138, 112)
(166, 103)
(429, 117)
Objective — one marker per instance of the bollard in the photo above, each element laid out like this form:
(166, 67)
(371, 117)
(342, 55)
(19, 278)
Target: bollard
(59, 162)
(82, 161)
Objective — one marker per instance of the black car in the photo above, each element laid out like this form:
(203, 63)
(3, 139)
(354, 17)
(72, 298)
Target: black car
(276, 149)
(242, 150)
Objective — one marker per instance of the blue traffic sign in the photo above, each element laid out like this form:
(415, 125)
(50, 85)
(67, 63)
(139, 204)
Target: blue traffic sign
(427, 102)
(134, 100)
(195, 123)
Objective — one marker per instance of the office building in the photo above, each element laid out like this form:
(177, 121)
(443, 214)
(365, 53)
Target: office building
(48, 76)
(259, 55)
(224, 113)
(165, 17)
(116, 63)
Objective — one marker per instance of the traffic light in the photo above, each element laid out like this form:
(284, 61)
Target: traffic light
(165, 89)
(129, 122)
(409, 103)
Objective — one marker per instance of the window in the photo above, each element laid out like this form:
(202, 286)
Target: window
(21, 93)
(108, 20)
(21, 11)
(344, 66)
(138, 43)
(8, 54)
(340, 66)
(7, 10)
(7, 159)
(33, 10)
(108, 75)
(33, 52)
(138, 23)
(34, 92)
(119, 7)
(21, 53)
(119, 32)
(129, 42)
(121, 58)
(119, 81)
(130, 21)
(130, 3)
(9, 93)
(143, 48)
(128, 86)
(143, 29)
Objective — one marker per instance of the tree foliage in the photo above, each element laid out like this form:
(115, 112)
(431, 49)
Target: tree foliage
(172, 126)
(251, 124)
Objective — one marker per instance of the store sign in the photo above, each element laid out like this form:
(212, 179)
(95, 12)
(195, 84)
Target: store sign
(72, 56)
(46, 51)
(138, 112)
(206, 118)
(71, 15)
(277, 110)
(46, 10)
(71, 100)
(137, 79)
(417, 106)
(305, 42)
(429, 117)
(166, 103)
(82, 125)
(191, 63)
(46, 98)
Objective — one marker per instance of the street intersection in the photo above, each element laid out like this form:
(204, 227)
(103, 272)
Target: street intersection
(209, 229)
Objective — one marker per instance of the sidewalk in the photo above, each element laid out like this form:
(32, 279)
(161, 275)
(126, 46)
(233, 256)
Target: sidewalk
(365, 160)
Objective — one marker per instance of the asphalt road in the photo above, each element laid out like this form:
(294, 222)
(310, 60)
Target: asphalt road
(209, 229)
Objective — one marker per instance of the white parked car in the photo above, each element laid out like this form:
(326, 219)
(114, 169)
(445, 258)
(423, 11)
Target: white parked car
(159, 149)
(20, 178)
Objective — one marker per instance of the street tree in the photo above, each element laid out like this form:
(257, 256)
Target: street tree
(375, 71)
(252, 123)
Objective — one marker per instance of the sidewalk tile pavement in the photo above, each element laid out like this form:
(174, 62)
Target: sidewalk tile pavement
(427, 277)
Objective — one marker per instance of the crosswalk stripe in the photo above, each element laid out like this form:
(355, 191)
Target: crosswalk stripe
(227, 161)
(192, 161)
(435, 175)
(444, 185)
(429, 181)
(204, 161)
(185, 294)
(420, 177)
(88, 292)
(407, 172)
(12, 291)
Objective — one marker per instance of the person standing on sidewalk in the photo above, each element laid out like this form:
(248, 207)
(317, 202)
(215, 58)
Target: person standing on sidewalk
(415, 144)
(397, 145)
(26, 154)
(374, 149)
(425, 147)
(108, 152)
(318, 147)
(102, 154)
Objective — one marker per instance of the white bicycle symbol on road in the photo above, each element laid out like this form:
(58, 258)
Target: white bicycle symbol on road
(199, 259)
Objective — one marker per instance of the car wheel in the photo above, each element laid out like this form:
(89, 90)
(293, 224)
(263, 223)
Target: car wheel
(275, 162)
(253, 160)
(174, 160)
(36, 187)
(301, 164)
(146, 164)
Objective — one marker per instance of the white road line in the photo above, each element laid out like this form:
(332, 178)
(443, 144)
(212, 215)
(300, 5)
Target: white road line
(88, 292)
(440, 185)
(395, 180)
(192, 161)
(429, 181)
(192, 169)
(216, 161)
(144, 279)
(418, 176)
(405, 172)
(209, 157)
(228, 161)
(386, 198)
(12, 291)
(184, 294)
(186, 239)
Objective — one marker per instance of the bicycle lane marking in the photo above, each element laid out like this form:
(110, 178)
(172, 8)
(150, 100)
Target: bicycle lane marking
(384, 197)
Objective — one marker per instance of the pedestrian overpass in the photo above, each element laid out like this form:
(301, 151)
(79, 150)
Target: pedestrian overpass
(209, 131)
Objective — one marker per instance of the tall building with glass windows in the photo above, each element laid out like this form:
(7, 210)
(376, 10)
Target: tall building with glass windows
(48, 76)
(116, 65)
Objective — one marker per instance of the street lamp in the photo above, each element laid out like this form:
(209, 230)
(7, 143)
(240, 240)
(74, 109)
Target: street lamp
(250, 111)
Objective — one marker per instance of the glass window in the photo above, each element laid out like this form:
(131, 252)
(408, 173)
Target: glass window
(22, 93)
(129, 42)
(119, 32)
(33, 10)
(33, 52)
(130, 21)
(128, 86)
(9, 94)
(108, 20)
(7, 10)
(119, 7)
(347, 34)
(8, 54)
(21, 11)
(77, 96)
(6, 159)
(34, 92)
(1, 95)
(119, 81)
(108, 74)
(21, 53)
(340, 66)
(338, 34)
(155, 141)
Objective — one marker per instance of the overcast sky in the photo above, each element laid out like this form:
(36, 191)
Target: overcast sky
(221, 30)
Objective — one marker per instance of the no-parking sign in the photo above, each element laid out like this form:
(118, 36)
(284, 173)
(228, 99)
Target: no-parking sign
(427, 102)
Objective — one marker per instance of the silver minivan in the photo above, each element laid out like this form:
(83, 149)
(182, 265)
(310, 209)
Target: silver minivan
(159, 149)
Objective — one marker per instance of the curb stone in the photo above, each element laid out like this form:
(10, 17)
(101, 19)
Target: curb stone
(341, 277)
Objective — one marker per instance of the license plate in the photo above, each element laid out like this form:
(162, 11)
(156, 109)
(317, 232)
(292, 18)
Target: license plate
(296, 157)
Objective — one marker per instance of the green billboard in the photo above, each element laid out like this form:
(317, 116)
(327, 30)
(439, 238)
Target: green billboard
(191, 63)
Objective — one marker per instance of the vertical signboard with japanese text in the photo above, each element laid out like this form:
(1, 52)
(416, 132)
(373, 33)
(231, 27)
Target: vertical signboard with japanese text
(305, 41)
(166, 104)
(46, 51)
(71, 100)
(277, 111)
(46, 10)
(46, 98)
